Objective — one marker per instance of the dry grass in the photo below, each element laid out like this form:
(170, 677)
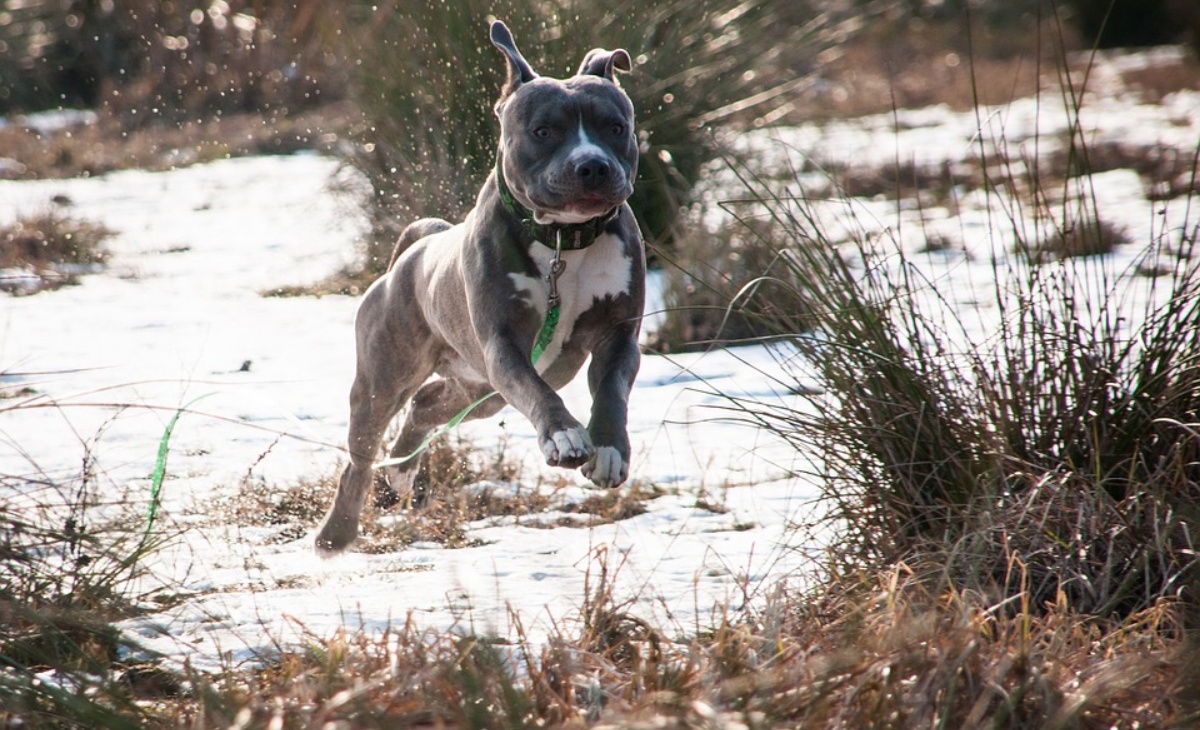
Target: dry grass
(1155, 83)
(889, 651)
(292, 510)
(931, 642)
(891, 66)
(907, 63)
(104, 146)
(49, 250)
(1027, 498)
(52, 238)
(899, 652)
(70, 567)
(1085, 236)
(1062, 439)
(1167, 172)
(455, 487)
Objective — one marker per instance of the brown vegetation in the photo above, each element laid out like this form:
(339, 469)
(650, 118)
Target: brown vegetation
(49, 250)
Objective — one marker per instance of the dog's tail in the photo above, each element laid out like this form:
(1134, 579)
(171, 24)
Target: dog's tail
(415, 232)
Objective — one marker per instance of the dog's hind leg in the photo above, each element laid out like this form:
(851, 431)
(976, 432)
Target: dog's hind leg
(372, 407)
(434, 405)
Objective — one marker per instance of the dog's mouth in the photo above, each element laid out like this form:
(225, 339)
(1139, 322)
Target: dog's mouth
(592, 204)
(580, 210)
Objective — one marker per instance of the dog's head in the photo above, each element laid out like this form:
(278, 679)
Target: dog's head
(567, 146)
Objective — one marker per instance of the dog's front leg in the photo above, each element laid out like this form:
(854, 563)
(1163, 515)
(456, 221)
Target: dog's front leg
(610, 377)
(564, 441)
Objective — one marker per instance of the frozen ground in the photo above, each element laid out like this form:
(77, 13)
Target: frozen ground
(177, 320)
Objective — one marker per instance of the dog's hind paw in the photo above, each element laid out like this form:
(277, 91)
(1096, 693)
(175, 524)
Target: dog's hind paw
(607, 469)
(327, 546)
(568, 448)
(335, 536)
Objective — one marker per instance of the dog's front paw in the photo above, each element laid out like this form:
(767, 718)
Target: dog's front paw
(569, 448)
(394, 487)
(607, 469)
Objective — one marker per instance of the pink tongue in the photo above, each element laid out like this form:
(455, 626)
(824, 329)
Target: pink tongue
(587, 205)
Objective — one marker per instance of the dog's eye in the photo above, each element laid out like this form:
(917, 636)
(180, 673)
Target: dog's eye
(618, 130)
(542, 132)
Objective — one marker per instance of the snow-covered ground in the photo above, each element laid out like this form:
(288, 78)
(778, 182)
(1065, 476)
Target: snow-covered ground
(177, 320)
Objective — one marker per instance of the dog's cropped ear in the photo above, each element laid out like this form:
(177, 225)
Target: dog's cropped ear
(599, 62)
(519, 71)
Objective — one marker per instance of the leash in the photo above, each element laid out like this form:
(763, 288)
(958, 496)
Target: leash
(544, 336)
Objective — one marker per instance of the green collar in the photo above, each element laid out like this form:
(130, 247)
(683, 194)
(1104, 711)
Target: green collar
(575, 236)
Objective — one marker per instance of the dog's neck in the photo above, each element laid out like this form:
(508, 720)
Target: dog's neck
(568, 236)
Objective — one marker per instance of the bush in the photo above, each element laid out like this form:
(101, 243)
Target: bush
(146, 61)
(427, 79)
(1050, 454)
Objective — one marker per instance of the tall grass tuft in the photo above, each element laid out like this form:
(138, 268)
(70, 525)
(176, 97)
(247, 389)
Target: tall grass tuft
(67, 574)
(1043, 443)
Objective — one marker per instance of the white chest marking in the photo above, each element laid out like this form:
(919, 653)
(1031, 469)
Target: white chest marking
(598, 271)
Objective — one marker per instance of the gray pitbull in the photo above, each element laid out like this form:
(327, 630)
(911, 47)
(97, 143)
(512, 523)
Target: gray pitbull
(467, 302)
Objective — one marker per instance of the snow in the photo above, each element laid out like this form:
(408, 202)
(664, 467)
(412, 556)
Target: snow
(177, 320)
(52, 121)
(937, 134)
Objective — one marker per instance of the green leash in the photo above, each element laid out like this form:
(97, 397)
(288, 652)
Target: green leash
(544, 336)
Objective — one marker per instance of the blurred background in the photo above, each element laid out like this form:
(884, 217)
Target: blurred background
(402, 91)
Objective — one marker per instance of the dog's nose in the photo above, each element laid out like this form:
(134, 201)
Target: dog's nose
(592, 172)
